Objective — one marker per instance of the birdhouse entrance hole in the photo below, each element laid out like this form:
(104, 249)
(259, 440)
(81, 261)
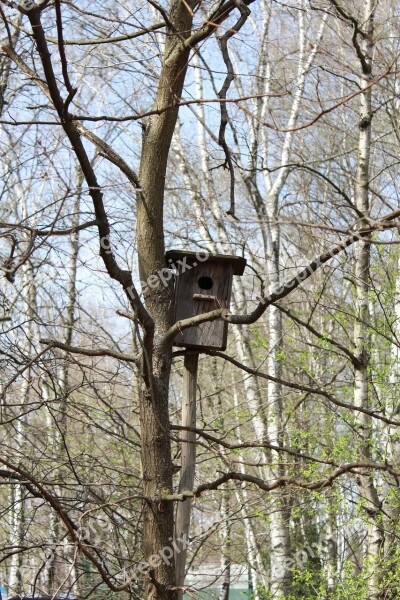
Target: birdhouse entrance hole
(205, 283)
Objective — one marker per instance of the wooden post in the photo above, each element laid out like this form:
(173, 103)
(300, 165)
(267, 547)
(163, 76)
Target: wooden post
(188, 464)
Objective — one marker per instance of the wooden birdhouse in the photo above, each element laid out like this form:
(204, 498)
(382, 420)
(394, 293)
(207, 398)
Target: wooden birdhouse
(203, 284)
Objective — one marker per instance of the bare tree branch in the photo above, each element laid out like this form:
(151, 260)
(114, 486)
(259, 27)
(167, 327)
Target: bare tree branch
(88, 352)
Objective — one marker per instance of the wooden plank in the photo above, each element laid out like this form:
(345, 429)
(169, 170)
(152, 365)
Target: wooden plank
(238, 262)
(212, 335)
(188, 463)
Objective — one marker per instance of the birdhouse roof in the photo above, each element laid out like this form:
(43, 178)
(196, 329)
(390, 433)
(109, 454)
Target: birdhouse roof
(238, 263)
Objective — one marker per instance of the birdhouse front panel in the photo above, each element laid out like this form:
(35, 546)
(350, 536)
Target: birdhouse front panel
(202, 286)
(200, 289)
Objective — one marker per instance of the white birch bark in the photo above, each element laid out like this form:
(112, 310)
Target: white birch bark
(254, 558)
(330, 535)
(361, 330)
(279, 537)
(18, 502)
(225, 547)
(17, 518)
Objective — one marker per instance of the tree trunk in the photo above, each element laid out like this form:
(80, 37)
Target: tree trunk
(331, 548)
(158, 526)
(280, 577)
(18, 504)
(254, 558)
(225, 547)
(361, 330)
(15, 582)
